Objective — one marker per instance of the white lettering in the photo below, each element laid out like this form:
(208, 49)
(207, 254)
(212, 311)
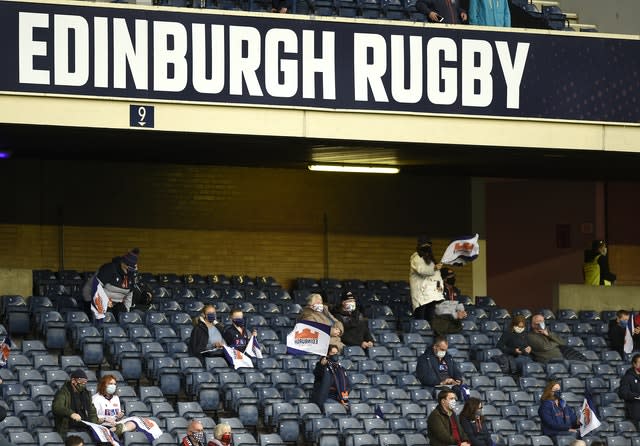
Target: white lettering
(163, 57)
(244, 67)
(513, 71)
(435, 74)
(62, 25)
(471, 73)
(273, 65)
(28, 48)
(413, 94)
(125, 54)
(369, 74)
(100, 52)
(325, 64)
(200, 82)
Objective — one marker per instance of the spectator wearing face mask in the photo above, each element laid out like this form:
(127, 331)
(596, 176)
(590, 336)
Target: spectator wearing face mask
(316, 311)
(425, 281)
(443, 426)
(72, 405)
(108, 408)
(356, 327)
(331, 381)
(236, 335)
(618, 331)
(629, 391)
(515, 345)
(545, 345)
(195, 435)
(436, 366)
(117, 279)
(221, 435)
(206, 336)
(556, 417)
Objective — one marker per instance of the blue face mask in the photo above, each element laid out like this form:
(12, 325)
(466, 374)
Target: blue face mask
(239, 322)
(211, 317)
(623, 324)
(558, 394)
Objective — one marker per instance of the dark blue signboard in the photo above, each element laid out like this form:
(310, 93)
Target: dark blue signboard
(154, 55)
(141, 116)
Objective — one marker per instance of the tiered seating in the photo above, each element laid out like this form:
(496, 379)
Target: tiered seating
(147, 352)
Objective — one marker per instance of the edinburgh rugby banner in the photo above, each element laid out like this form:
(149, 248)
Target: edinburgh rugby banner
(309, 337)
(461, 251)
(208, 57)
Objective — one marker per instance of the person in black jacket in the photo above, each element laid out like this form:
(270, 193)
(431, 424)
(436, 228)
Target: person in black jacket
(442, 11)
(629, 390)
(356, 327)
(515, 346)
(206, 335)
(436, 368)
(472, 423)
(331, 380)
(236, 335)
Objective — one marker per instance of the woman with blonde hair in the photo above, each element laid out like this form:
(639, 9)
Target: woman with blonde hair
(221, 435)
(556, 417)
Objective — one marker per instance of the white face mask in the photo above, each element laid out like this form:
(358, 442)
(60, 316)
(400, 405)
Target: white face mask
(452, 404)
(542, 325)
(111, 389)
(318, 307)
(440, 353)
(518, 329)
(350, 306)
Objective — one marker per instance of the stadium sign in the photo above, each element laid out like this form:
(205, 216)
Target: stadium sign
(143, 53)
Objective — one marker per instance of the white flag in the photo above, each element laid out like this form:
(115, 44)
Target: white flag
(309, 337)
(588, 419)
(461, 251)
(103, 434)
(628, 335)
(253, 348)
(236, 358)
(99, 302)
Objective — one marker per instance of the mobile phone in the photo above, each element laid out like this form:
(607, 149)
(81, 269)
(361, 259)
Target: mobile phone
(440, 18)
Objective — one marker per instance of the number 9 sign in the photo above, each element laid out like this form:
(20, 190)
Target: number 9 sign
(141, 116)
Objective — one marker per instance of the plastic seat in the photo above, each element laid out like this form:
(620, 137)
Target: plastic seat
(50, 439)
(361, 440)
(177, 426)
(334, 410)
(163, 410)
(137, 408)
(414, 439)
(557, 371)
(21, 438)
(580, 370)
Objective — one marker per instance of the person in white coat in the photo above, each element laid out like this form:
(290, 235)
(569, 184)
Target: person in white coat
(425, 281)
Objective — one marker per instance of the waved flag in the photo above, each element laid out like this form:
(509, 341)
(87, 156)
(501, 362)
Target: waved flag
(461, 251)
(236, 358)
(253, 348)
(99, 302)
(588, 415)
(5, 350)
(308, 337)
(628, 335)
(103, 434)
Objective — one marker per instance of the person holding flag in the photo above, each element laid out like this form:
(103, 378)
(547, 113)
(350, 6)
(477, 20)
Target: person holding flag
(623, 333)
(317, 312)
(556, 417)
(236, 335)
(629, 391)
(425, 281)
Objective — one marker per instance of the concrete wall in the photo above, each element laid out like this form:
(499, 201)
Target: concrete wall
(584, 297)
(611, 16)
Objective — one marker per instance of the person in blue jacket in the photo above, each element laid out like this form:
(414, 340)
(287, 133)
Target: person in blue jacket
(489, 13)
(555, 416)
(436, 367)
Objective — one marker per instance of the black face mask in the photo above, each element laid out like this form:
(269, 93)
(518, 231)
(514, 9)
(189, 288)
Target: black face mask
(451, 281)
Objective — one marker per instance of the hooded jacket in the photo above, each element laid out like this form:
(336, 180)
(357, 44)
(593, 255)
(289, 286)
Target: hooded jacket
(423, 280)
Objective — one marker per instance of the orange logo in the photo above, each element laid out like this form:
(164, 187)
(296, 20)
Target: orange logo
(586, 411)
(466, 246)
(306, 336)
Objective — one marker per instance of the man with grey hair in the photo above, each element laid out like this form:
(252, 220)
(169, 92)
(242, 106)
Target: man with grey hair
(316, 311)
(195, 435)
